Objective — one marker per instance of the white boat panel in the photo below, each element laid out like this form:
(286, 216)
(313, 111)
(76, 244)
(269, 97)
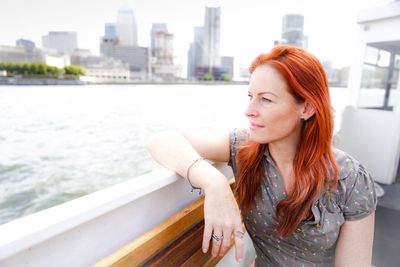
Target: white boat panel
(84, 230)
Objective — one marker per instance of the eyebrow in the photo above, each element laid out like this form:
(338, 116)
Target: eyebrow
(265, 92)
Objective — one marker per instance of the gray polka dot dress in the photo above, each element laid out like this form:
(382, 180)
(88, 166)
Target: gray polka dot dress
(314, 241)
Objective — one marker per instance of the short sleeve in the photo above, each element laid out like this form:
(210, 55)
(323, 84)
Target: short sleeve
(237, 137)
(360, 196)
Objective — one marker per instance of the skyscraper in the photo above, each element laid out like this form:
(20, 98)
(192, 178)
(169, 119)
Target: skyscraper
(204, 52)
(195, 53)
(110, 30)
(126, 29)
(293, 31)
(212, 27)
(120, 42)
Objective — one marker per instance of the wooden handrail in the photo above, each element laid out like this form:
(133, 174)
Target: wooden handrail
(180, 235)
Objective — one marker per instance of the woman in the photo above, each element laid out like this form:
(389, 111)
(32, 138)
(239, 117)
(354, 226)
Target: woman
(303, 202)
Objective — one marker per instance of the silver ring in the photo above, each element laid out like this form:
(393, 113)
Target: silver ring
(238, 234)
(217, 238)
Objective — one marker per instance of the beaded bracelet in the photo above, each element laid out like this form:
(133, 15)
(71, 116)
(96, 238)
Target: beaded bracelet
(187, 176)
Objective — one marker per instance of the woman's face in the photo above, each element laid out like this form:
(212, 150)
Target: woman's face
(273, 113)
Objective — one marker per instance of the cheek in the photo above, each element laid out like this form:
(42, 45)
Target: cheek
(281, 123)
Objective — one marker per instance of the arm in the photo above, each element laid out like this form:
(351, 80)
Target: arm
(177, 151)
(354, 247)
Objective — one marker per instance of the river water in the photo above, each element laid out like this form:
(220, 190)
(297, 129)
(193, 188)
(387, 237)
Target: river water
(58, 143)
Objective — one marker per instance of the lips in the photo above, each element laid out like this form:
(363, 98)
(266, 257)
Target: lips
(255, 125)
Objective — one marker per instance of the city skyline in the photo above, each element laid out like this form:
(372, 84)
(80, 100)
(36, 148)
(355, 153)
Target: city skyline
(247, 28)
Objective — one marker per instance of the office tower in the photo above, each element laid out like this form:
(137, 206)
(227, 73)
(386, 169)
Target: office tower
(120, 42)
(126, 29)
(195, 52)
(155, 29)
(110, 30)
(204, 52)
(211, 46)
(293, 31)
(62, 42)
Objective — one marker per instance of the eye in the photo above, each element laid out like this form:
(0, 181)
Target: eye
(264, 99)
(250, 97)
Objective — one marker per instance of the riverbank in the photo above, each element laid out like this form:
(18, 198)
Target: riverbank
(30, 81)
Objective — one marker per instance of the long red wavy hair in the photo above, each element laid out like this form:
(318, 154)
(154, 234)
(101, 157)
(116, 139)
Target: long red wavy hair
(314, 166)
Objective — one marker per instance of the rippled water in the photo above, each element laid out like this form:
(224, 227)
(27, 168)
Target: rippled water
(61, 142)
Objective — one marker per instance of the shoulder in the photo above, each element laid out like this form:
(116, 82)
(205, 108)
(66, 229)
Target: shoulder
(238, 136)
(356, 188)
(347, 164)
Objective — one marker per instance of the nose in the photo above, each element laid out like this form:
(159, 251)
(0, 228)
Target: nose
(251, 110)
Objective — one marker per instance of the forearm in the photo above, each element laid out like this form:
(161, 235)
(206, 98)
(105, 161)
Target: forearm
(174, 151)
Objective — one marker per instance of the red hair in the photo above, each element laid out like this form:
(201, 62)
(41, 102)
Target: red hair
(314, 166)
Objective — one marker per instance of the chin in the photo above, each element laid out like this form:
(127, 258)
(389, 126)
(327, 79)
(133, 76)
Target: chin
(261, 139)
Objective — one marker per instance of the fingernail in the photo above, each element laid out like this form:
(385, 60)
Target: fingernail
(204, 250)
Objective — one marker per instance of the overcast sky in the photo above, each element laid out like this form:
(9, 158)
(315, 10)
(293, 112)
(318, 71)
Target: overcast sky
(247, 27)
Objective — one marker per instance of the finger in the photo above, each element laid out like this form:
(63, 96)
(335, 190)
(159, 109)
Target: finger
(239, 244)
(206, 237)
(226, 241)
(216, 242)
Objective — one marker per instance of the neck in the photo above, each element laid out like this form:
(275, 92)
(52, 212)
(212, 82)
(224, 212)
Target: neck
(284, 151)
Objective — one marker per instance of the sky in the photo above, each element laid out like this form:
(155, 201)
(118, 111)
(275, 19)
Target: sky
(248, 28)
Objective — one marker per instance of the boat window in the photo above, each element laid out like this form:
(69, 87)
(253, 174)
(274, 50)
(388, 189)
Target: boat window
(377, 57)
(380, 76)
(397, 61)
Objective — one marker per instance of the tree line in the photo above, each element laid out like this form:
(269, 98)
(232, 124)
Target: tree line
(41, 70)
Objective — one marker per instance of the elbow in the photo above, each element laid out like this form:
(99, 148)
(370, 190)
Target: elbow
(159, 140)
(151, 142)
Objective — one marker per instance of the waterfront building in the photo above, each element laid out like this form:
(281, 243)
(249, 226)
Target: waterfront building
(337, 77)
(137, 57)
(195, 51)
(293, 31)
(25, 43)
(227, 66)
(20, 54)
(156, 28)
(61, 42)
(23, 54)
(126, 27)
(100, 68)
(244, 74)
(162, 53)
(328, 68)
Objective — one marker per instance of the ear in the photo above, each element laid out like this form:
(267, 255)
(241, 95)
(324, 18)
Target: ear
(307, 111)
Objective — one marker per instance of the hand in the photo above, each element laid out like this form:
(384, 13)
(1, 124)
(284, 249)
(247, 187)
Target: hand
(222, 219)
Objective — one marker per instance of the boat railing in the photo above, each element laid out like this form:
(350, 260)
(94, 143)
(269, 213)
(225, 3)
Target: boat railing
(85, 230)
